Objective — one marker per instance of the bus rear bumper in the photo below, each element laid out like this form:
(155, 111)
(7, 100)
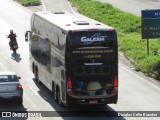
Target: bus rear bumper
(93, 100)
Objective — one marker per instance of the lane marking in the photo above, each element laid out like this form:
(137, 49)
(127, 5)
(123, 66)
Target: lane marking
(2, 66)
(146, 81)
(43, 5)
(1, 54)
(33, 90)
(72, 9)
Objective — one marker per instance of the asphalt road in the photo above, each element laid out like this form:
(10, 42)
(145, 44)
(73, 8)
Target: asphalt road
(136, 92)
(134, 6)
(56, 5)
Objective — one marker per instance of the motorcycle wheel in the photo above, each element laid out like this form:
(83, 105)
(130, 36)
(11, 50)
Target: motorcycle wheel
(14, 51)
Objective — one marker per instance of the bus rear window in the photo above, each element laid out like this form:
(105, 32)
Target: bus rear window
(92, 38)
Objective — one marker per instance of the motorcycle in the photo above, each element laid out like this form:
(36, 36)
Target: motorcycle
(13, 42)
(14, 46)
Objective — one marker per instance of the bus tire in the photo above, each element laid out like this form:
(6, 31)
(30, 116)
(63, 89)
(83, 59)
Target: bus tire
(59, 98)
(55, 94)
(33, 69)
(53, 88)
(37, 76)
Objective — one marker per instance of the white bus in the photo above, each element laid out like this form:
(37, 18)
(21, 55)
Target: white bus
(75, 57)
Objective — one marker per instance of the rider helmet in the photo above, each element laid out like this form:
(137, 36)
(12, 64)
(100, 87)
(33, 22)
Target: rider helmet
(11, 31)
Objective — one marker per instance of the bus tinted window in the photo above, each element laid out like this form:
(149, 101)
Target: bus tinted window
(92, 38)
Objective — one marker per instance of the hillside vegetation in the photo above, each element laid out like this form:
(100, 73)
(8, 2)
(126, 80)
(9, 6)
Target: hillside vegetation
(29, 2)
(128, 28)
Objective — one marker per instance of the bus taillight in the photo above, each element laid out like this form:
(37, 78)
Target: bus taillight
(115, 85)
(111, 30)
(69, 83)
(115, 82)
(73, 31)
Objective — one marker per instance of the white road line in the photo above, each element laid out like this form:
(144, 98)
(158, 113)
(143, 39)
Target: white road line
(1, 54)
(2, 66)
(33, 90)
(152, 84)
(71, 7)
(43, 5)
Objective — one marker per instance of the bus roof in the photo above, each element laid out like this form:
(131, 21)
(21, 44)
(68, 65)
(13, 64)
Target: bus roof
(72, 21)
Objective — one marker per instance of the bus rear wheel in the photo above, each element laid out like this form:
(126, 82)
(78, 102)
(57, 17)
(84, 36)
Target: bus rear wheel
(36, 74)
(55, 94)
(59, 98)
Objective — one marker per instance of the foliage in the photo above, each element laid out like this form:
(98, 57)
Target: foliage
(29, 2)
(128, 27)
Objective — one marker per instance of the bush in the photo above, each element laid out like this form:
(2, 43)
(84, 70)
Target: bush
(128, 27)
(29, 2)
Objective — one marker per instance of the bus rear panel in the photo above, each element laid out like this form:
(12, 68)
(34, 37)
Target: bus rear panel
(92, 67)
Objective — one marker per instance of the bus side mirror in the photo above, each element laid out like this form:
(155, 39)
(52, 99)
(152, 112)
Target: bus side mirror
(26, 35)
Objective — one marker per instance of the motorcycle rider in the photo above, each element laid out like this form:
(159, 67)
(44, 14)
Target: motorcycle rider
(12, 37)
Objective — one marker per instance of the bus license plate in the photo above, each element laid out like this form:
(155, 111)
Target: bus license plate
(93, 101)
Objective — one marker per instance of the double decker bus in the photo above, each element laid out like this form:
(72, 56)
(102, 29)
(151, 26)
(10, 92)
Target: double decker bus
(75, 57)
